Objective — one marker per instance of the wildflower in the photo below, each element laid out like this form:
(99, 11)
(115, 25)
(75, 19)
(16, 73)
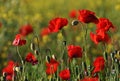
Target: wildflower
(18, 41)
(65, 74)
(45, 31)
(104, 24)
(31, 59)
(51, 66)
(87, 16)
(57, 23)
(73, 14)
(100, 36)
(26, 29)
(90, 79)
(74, 51)
(98, 64)
(8, 70)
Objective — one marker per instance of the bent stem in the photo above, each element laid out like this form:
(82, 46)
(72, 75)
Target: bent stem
(22, 62)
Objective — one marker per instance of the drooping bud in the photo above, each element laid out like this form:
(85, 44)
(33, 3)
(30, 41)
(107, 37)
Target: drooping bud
(75, 22)
(32, 46)
(36, 52)
(48, 59)
(54, 57)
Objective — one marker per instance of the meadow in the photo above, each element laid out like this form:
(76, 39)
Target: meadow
(59, 40)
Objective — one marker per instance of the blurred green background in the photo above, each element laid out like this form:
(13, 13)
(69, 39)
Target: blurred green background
(15, 13)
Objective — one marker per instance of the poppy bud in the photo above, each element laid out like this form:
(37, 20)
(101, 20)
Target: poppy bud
(75, 22)
(32, 46)
(36, 52)
(47, 59)
(64, 43)
(112, 56)
(4, 74)
(18, 69)
(54, 57)
(105, 56)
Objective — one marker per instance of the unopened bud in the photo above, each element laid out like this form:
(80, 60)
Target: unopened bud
(75, 22)
(54, 57)
(18, 69)
(36, 52)
(32, 46)
(47, 59)
(105, 56)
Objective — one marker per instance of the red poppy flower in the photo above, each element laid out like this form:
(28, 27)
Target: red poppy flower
(57, 23)
(73, 14)
(51, 67)
(65, 74)
(98, 64)
(87, 16)
(31, 58)
(104, 24)
(45, 31)
(74, 51)
(100, 36)
(26, 29)
(90, 79)
(18, 41)
(9, 70)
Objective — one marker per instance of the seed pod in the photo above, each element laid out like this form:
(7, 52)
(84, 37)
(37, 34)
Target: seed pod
(32, 46)
(75, 22)
(47, 59)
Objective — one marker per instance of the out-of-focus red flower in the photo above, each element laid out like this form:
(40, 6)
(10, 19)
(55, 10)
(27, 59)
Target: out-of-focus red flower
(74, 51)
(26, 29)
(87, 16)
(31, 58)
(9, 70)
(100, 36)
(57, 24)
(104, 24)
(98, 64)
(45, 31)
(51, 67)
(73, 14)
(18, 41)
(90, 79)
(65, 74)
